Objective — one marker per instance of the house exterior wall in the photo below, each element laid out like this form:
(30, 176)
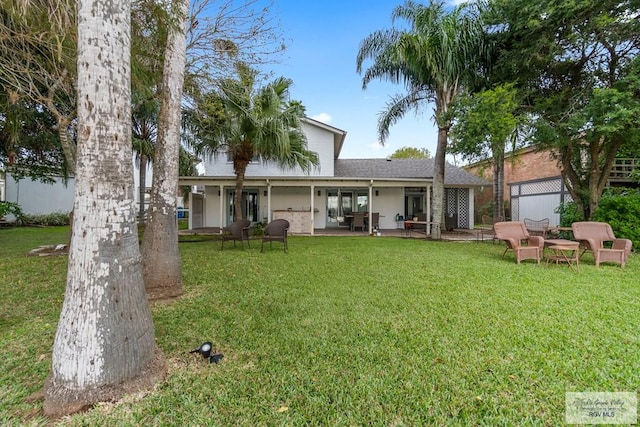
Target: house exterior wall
(37, 198)
(319, 140)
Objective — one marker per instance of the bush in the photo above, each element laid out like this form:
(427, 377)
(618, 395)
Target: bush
(621, 209)
(10, 208)
(569, 214)
(52, 219)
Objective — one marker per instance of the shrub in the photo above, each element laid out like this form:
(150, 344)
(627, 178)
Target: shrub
(11, 208)
(52, 219)
(569, 213)
(620, 208)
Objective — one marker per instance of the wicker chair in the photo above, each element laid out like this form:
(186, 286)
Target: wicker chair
(592, 235)
(358, 221)
(275, 231)
(237, 231)
(517, 238)
(537, 227)
(375, 220)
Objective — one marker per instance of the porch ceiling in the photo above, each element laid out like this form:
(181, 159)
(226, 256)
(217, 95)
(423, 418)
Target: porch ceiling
(297, 182)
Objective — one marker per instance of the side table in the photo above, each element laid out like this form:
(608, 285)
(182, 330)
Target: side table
(566, 252)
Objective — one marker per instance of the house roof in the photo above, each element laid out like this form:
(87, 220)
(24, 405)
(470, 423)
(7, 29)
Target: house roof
(403, 168)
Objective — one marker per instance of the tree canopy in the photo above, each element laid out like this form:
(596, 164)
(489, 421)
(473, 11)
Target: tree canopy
(248, 122)
(575, 66)
(411, 153)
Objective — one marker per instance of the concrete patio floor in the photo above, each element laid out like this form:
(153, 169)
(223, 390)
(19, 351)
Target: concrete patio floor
(457, 235)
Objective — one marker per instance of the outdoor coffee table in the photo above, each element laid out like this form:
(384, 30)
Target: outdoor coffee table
(565, 252)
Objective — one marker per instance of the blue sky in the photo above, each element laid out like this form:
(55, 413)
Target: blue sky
(322, 40)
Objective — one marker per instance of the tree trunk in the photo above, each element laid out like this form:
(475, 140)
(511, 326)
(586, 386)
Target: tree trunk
(105, 343)
(68, 149)
(498, 186)
(438, 181)
(240, 169)
(142, 175)
(162, 266)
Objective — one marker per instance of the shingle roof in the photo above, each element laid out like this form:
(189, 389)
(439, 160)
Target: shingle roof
(403, 168)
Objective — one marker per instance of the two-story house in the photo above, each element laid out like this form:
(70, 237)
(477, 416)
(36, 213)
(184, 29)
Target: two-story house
(330, 193)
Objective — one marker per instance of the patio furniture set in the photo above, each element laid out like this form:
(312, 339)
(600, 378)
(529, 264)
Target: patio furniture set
(588, 235)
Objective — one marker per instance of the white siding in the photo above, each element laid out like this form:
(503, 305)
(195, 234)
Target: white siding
(319, 140)
(36, 198)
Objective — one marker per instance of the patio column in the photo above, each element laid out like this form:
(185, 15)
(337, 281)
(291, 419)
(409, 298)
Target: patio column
(370, 205)
(428, 196)
(268, 201)
(312, 207)
(222, 210)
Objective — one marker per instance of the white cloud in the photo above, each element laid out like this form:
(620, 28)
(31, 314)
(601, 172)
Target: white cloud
(322, 117)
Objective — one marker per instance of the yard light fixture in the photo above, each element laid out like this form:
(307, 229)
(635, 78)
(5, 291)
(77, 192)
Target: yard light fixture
(204, 349)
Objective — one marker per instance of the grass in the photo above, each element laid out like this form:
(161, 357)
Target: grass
(346, 331)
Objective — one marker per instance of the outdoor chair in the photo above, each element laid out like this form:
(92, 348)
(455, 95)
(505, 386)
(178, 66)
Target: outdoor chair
(237, 231)
(538, 227)
(358, 221)
(487, 227)
(592, 235)
(517, 238)
(275, 231)
(421, 216)
(375, 220)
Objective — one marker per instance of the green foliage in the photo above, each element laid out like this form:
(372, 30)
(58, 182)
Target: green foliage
(576, 67)
(56, 218)
(569, 213)
(10, 208)
(411, 153)
(425, 333)
(258, 229)
(485, 122)
(621, 209)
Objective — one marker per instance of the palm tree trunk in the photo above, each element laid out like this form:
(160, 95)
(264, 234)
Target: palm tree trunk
(105, 342)
(68, 149)
(240, 169)
(143, 186)
(162, 266)
(438, 181)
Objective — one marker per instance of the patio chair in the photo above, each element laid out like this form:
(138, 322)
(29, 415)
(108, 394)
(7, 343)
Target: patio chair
(592, 235)
(517, 238)
(237, 231)
(538, 227)
(275, 231)
(358, 221)
(375, 220)
(486, 227)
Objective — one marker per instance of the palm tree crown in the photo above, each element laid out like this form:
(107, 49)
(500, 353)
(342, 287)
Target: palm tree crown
(433, 59)
(248, 122)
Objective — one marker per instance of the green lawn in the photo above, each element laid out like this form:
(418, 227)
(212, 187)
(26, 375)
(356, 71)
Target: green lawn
(346, 331)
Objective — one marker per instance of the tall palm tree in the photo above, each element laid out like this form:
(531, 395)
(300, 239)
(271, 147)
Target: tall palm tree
(105, 342)
(248, 122)
(434, 58)
(162, 268)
